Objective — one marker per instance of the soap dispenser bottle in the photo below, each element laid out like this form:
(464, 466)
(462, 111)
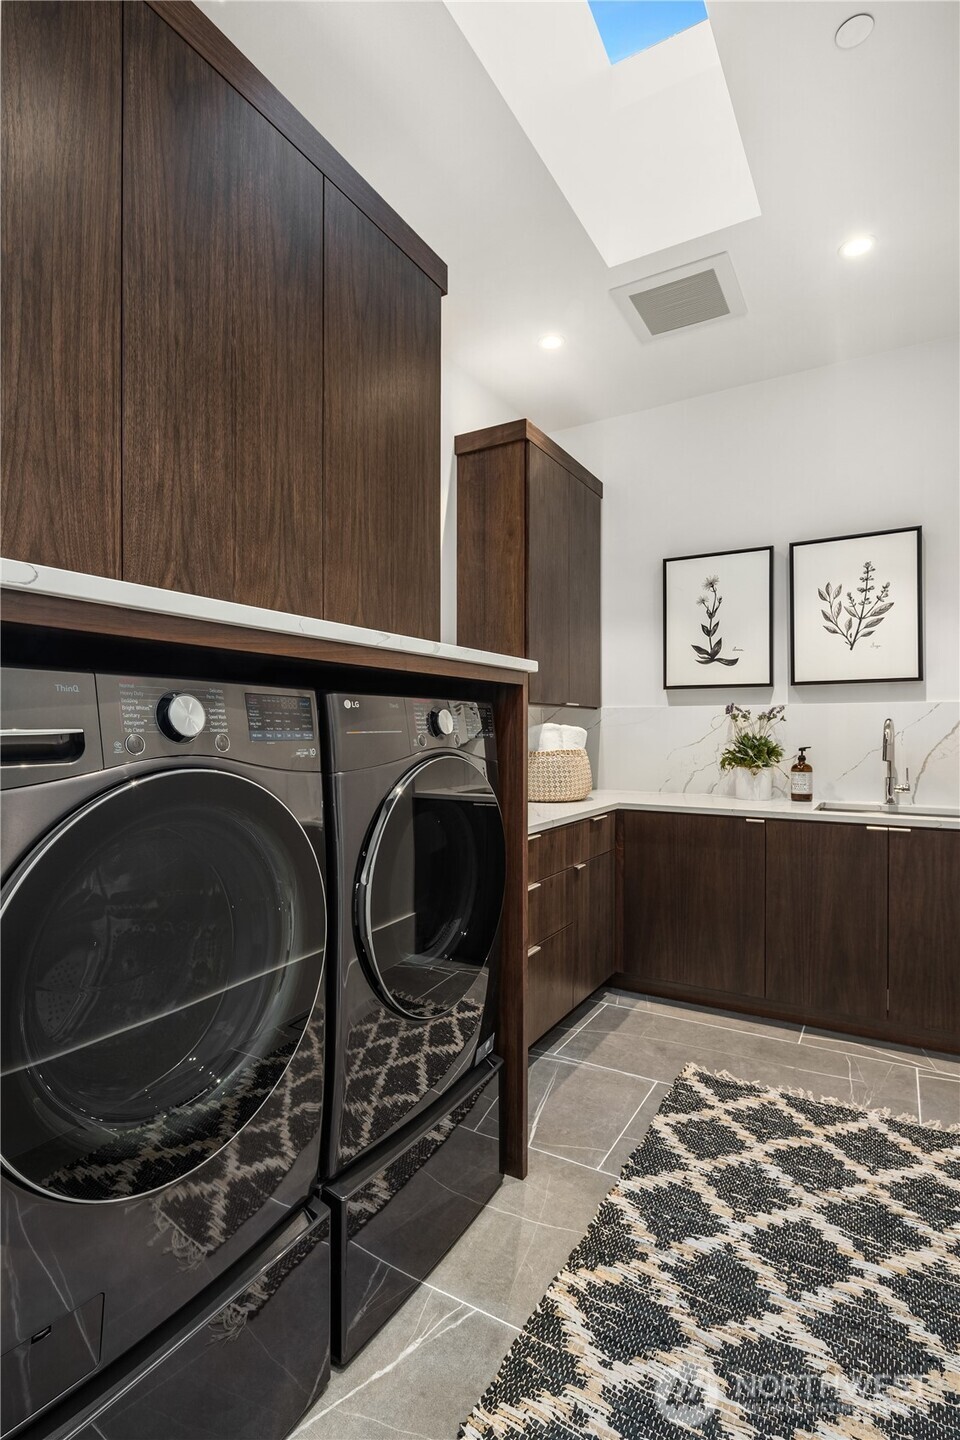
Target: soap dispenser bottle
(801, 777)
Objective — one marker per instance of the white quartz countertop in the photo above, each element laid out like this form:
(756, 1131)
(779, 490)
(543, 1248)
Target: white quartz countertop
(98, 590)
(546, 817)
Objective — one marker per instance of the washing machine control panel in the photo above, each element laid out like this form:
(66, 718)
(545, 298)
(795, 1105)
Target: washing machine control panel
(146, 718)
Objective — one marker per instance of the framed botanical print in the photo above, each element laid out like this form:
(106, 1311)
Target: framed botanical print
(718, 620)
(856, 608)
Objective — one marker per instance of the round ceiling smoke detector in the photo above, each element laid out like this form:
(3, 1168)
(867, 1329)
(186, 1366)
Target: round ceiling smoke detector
(854, 31)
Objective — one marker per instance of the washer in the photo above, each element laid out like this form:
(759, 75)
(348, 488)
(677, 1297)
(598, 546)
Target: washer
(417, 878)
(163, 932)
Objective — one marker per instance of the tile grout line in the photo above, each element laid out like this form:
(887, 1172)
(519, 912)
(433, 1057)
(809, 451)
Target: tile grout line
(919, 1101)
(800, 1036)
(627, 1126)
(581, 1026)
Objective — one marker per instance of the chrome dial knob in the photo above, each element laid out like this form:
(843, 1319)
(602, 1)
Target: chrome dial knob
(440, 722)
(181, 717)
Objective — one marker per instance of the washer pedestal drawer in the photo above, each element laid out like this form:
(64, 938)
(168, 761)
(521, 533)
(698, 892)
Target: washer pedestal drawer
(396, 1213)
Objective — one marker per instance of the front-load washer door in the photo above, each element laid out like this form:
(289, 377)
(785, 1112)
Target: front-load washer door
(429, 891)
(162, 953)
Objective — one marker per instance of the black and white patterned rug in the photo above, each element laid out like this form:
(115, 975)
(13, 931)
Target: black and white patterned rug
(768, 1266)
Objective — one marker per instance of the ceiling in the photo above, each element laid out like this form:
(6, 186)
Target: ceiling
(647, 151)
(838, 142)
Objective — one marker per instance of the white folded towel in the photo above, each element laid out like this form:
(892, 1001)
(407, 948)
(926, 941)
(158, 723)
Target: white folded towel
(561, 737)
(533, 737)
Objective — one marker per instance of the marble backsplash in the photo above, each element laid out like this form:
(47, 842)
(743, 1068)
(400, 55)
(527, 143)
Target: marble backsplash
(677, 748)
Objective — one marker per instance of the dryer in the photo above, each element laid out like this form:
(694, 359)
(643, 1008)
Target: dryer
(163, 933)
(417, 866)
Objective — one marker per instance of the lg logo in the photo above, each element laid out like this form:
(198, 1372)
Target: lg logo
(351, 704)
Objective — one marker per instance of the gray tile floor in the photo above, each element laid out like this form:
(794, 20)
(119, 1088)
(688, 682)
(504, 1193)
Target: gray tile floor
(595, 1084)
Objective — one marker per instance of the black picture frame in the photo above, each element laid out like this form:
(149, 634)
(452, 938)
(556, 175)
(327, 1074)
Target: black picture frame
(857, 679)
(725, 680)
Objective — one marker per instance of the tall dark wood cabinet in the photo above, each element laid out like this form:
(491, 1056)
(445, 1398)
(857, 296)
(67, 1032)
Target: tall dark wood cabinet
(528, 558)
(827, 918)
(222, 336)
(221, 348)
(60, 347)
(693, 902)
(381, 511)
(924, 908)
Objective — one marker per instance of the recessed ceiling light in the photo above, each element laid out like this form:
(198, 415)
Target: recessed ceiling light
(551, 342)
(859, 245)
(854, 31)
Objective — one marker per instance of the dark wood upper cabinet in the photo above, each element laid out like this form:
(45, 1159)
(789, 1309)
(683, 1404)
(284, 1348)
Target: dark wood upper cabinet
(222, 335)
(693, 901)
(193, 281)
(924, 909)
(528, 558)
(827, 918)
(381, 511)
(60, 349)
(548, 579)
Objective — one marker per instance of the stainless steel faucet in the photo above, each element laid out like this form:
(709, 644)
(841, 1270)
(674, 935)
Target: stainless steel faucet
(891, 786)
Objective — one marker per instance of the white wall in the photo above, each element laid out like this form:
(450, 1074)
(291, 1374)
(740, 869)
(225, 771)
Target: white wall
(866, 445)
(464, 405)
(869, 444)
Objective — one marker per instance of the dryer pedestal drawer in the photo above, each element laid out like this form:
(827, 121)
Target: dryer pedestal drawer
(396, 1213)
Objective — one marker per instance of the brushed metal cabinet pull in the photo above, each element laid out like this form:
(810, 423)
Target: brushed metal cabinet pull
(606, 816)
(881, 829)
(582, 865)
(534, 885)
(754, 820)
(898, 829)
(534, 950)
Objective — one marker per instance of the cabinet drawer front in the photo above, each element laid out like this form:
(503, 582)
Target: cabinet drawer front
(549, 905)
(588, 838)
(547, 853)
(549, 982)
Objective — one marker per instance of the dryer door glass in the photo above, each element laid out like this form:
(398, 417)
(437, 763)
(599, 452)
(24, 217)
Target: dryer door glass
(430, 887)
(162, 954)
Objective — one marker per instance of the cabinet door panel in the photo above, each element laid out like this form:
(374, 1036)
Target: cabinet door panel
(222, 335)
(549, 982)
(593, 890)
(693, 901)
(584, 599)
(827, 918)
(925, 930)
(381, 514)
(548, 579)
(61, 88)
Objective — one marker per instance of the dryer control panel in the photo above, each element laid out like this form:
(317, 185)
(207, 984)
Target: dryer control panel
(369, 730)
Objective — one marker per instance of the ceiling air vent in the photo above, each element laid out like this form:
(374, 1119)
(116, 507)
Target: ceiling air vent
(681, 299)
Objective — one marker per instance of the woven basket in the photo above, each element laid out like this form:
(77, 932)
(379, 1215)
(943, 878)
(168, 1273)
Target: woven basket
(556, 776)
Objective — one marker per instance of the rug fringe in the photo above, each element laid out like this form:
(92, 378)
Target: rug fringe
(694, 1068)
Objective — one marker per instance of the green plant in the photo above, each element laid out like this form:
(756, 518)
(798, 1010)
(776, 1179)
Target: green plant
(753, 745)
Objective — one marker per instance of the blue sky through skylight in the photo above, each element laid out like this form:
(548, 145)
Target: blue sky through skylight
(628, 26)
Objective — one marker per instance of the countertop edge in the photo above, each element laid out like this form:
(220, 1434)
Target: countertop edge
(19, 575)
(601, 802)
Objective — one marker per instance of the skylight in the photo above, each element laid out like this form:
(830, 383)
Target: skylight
(629, 26)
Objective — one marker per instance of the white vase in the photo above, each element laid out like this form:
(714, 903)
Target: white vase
(754, 784)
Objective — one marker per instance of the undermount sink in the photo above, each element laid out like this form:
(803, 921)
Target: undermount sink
(893, 812)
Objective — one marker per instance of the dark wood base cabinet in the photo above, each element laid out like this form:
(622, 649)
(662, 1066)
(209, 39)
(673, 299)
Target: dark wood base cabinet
(924, 937)
(844, 926)
(693, 901)
(571, 917)
(826, 903)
